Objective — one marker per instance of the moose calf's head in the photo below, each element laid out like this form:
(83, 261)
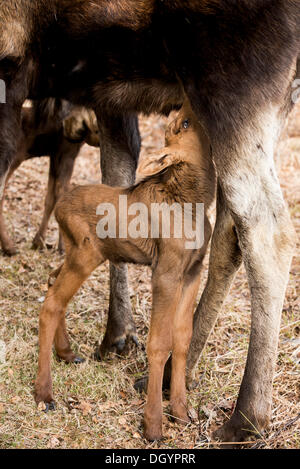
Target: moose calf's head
(185, 142)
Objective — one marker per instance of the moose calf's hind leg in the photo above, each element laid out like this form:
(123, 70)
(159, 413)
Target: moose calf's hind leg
(52, 325)
(62, 345)
(61, 340)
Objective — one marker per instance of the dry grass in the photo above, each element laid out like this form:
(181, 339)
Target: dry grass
(97, 404)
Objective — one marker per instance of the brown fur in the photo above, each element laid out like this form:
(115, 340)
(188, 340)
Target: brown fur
(58, 133)
(182, 172)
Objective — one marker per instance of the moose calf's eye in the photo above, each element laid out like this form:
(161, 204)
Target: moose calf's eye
(185, 124)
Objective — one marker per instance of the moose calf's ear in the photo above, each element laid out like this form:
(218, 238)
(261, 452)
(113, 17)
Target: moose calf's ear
(154, 164)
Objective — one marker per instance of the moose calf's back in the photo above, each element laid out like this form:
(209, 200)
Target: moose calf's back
(182, 173)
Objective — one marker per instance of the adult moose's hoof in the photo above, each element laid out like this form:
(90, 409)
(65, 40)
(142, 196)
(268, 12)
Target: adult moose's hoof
(141, 384)
(38, 243)
(10, 250)
(238, 429)
(116, 345)
(46, 406)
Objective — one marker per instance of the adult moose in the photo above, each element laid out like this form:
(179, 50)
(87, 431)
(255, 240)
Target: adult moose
(236, 61)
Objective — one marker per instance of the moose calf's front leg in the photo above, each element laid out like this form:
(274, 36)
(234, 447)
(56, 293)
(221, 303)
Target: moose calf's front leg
(166, 295)
(181, 337)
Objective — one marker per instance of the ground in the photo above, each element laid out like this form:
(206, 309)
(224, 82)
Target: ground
(97, 406)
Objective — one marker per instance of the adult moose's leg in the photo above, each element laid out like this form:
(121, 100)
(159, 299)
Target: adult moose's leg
(266, 239)
(13, 94)
(225, 259)
(60, 174)
(7, 244)
(120, 147)
(10, 130)
(245, 167)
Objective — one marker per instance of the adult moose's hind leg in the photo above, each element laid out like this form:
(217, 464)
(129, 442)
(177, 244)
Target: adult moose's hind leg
(120, 147)
(266, 238)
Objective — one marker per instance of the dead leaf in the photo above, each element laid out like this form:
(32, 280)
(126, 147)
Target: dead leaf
(137, 402)
(54, 442)
(225, 404)
(85, 407)
(193, 414)
(209, 413)
(41, 406)
(15, 399)
(122, 421)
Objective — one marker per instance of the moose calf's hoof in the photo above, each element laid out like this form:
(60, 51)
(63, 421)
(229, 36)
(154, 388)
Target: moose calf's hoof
(71, 359)
(49, 406)
(78, 360)
(180, 417)
(153, 434)
(44, 399)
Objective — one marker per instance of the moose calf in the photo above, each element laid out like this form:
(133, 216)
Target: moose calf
(183, 174)
(50, 128)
